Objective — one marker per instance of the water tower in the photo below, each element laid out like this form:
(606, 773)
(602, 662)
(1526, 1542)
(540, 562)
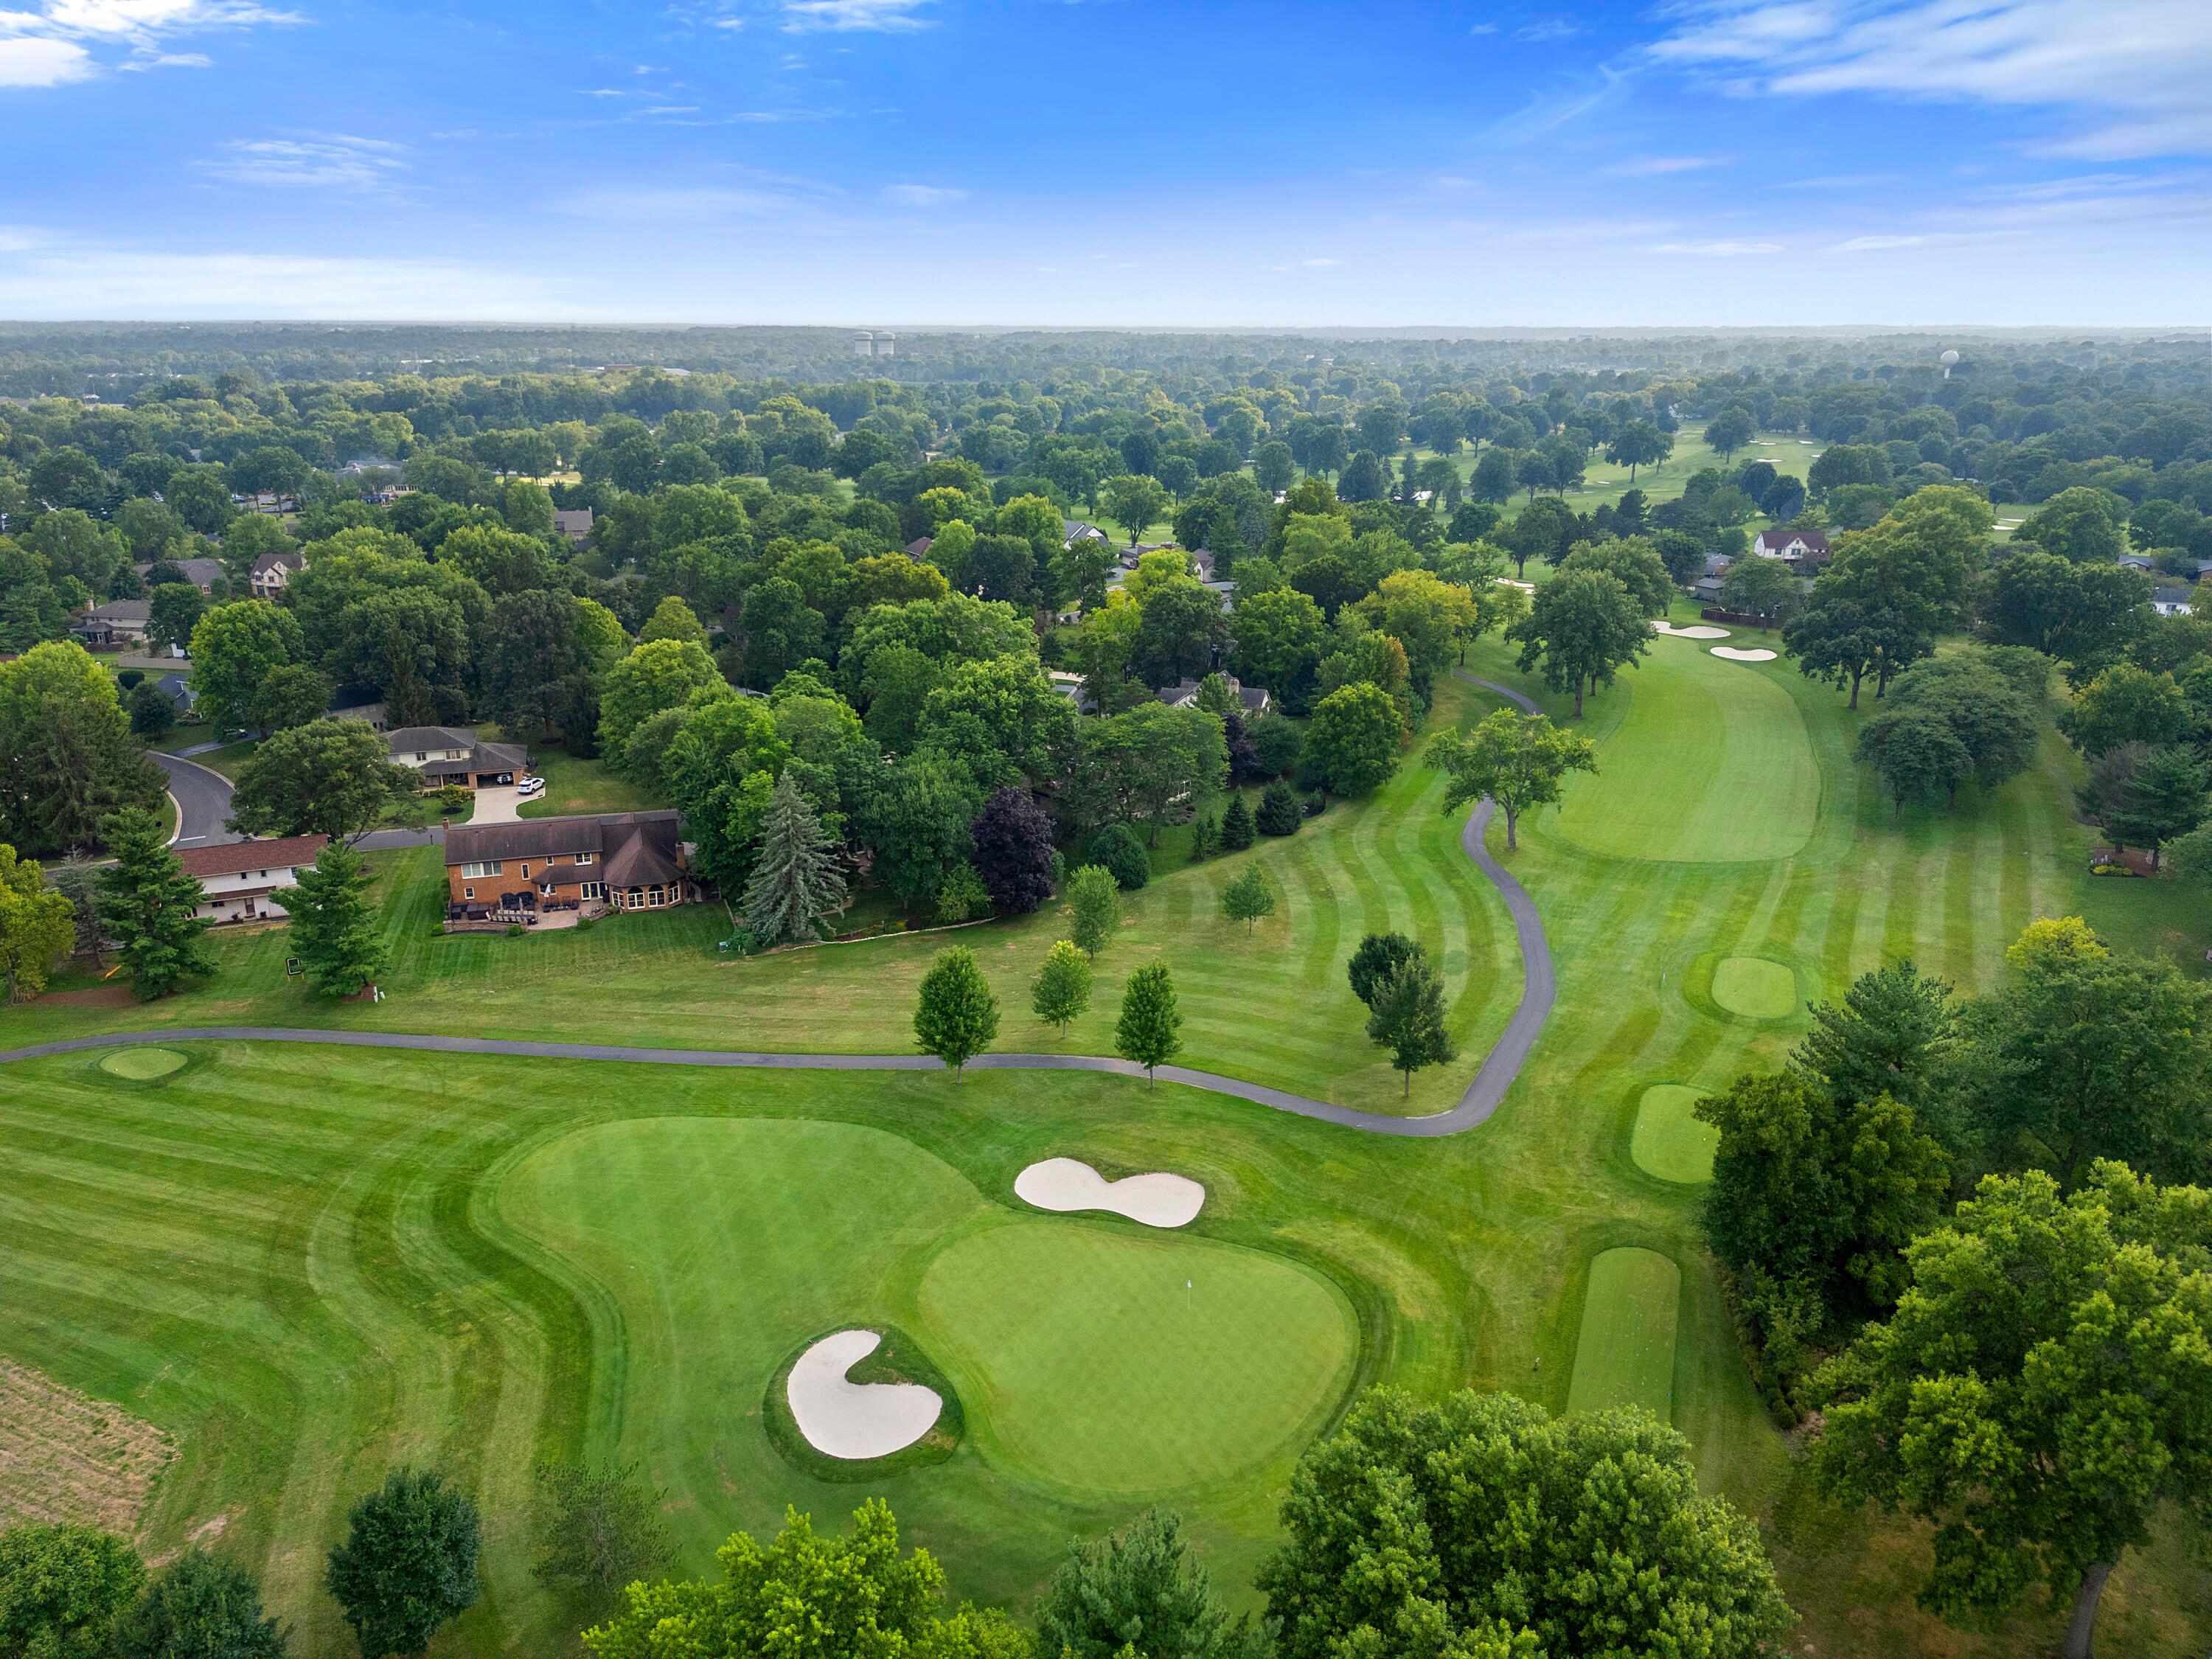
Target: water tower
(864, 344)
(886, 343)
(1947, 360)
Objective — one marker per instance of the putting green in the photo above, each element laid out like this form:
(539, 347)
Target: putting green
(1079, 1358)
(1755, 987)
(1625, 1354)
(1669, 1142)
(142, 1064)
(1710, 765)
(1113, 1363)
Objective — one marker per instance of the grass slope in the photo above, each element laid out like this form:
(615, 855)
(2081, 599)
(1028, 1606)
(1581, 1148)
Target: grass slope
(307, 1264)
(1274, 1007)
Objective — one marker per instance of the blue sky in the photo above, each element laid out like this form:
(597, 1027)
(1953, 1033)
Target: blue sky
(887, 162)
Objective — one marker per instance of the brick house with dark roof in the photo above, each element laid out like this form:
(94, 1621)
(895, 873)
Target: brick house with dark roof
(243, 881)
(537, 870)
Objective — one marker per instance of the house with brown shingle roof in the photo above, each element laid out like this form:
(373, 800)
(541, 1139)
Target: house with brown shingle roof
(244, 880)
(540, 871)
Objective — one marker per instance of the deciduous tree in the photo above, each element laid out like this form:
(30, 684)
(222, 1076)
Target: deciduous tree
(1518, 760)
(1014, 851)
(1061, 990)
(2040, 1393)
(1406, 1017)
(1148, 1033)
(67, 758)
(1142, 1589)
(408, 1563)
(1247, 897)
(956, 1016)
(1480, 1527)
(1352, 740)
(327, 778)
(200, 1607)
(1582, 627)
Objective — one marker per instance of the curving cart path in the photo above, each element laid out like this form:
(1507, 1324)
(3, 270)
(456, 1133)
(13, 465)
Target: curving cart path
(1500, 1067)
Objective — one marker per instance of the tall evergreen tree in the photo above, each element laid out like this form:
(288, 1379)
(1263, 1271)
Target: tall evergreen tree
(335, 931)
(1237, 830)
(796, 881)
(146, 904)
(1141, 1587)
(956, 1016)
(1148, 1032)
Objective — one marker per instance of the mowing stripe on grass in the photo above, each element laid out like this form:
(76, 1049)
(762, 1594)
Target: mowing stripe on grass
(1625, 1354)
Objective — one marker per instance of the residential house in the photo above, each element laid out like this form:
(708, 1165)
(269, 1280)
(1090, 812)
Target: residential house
(273, 573)
(1794, 545)
(118, 622)
(573, 522)
(1184, 693)
(2173, 601)
(541, 870)
(918, 548)
(455, 755)
(178, 690)
(1706, 590)
(243, 882)
(2136, 562)
(200, 572)
(357, 702)
(1075, 530)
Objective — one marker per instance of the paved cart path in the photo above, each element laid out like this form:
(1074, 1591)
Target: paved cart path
(1500, 1067)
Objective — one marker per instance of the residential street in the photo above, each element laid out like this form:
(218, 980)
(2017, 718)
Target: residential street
(203, 798)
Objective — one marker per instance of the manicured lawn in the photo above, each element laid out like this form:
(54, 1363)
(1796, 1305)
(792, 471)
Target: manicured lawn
(1670, 1141)
(308, 1265)
(1710, 765)
(1625, 1354)
(1274, 1007)
(1755, 987)
(1604, 484)
(580, 785)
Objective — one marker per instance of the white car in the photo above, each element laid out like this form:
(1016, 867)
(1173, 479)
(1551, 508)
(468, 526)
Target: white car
(531, 786)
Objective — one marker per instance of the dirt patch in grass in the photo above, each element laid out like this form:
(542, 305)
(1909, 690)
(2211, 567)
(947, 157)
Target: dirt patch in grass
(69, 1458)
(92, 996)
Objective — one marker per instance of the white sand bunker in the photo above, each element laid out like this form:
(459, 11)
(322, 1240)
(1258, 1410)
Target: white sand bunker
(1735, 656)
(1069, 1183)
(1699, 632)
(855, 1420)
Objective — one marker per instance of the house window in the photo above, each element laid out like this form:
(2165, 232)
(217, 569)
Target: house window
(585, 858)
(421, 755)
(525, 871)
(468, 893)
(592, 889)
(490, 867)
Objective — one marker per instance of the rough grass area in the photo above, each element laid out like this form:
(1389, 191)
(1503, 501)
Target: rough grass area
(573, 785)
(1625, 1354)
(1669, 1142)
(65, 1457)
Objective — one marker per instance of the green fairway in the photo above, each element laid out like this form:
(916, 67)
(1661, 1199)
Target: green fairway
(1110, 1363)
(1755, 987)
(1274, 1007)
(1668, 1141)
(1708, 765)
(142, 1064)
(1625, 1354)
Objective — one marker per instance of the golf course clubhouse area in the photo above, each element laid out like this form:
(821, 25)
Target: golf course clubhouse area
(555, 870)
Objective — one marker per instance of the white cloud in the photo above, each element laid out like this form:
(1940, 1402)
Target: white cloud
(53, 44)
(1717, 250)
(1316, 264)
(922, 196)
(1547, 28)
(331, 161)
(2130, 73)
(1654, 166)
(849, 16)
(37, 61)
(1873, 244)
